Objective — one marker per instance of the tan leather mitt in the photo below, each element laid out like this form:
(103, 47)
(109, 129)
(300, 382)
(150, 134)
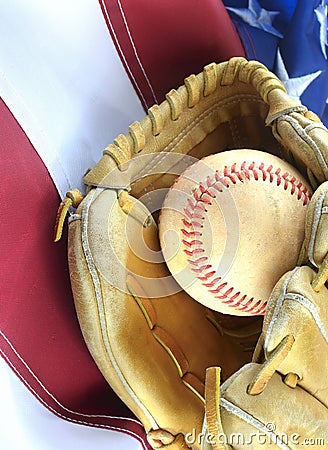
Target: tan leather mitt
(151, 341)
(280, 399)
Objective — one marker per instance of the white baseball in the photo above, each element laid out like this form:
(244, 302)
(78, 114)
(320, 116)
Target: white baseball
(231, 225)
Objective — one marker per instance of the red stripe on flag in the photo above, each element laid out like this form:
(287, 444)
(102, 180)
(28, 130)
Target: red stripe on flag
(39, 334)
(162, 42)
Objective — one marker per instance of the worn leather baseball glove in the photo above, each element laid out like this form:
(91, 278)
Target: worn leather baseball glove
(165, 354)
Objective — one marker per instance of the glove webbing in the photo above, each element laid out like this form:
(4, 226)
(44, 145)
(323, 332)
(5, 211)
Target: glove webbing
(206, 87)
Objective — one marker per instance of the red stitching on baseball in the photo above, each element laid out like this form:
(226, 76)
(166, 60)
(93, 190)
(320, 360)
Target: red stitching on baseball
(191, 233)
(203, 196)
(198, 261)
(193, 215)
(186, 223)
(191, 243)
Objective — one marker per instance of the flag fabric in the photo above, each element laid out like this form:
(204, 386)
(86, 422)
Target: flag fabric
(64, 96)
(180, 38)
(290, 38)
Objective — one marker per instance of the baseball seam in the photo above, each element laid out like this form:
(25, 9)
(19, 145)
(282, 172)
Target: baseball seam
(203, 195)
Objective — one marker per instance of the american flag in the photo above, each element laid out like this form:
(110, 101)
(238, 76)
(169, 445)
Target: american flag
(290, 38)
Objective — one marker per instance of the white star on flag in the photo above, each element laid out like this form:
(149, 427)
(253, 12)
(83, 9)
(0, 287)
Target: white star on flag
(321, 13)
(257, 17)
(294, 86)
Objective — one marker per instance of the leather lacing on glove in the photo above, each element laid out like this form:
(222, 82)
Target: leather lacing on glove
(303, 138)
(314, 252)
(165, 440)
(283, 115)
(316, 240)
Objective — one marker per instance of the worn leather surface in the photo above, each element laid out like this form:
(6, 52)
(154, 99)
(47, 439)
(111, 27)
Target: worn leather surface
(279, 417)
(295, 308)
(151, 341)
(152, 351)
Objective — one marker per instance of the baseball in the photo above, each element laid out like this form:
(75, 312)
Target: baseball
(231, 225)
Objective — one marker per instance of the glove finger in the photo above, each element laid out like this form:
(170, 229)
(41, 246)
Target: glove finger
(306, 138)
(277, 418)
(296, 309)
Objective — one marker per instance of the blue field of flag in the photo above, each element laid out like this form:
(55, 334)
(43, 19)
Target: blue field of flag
(290, 38)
